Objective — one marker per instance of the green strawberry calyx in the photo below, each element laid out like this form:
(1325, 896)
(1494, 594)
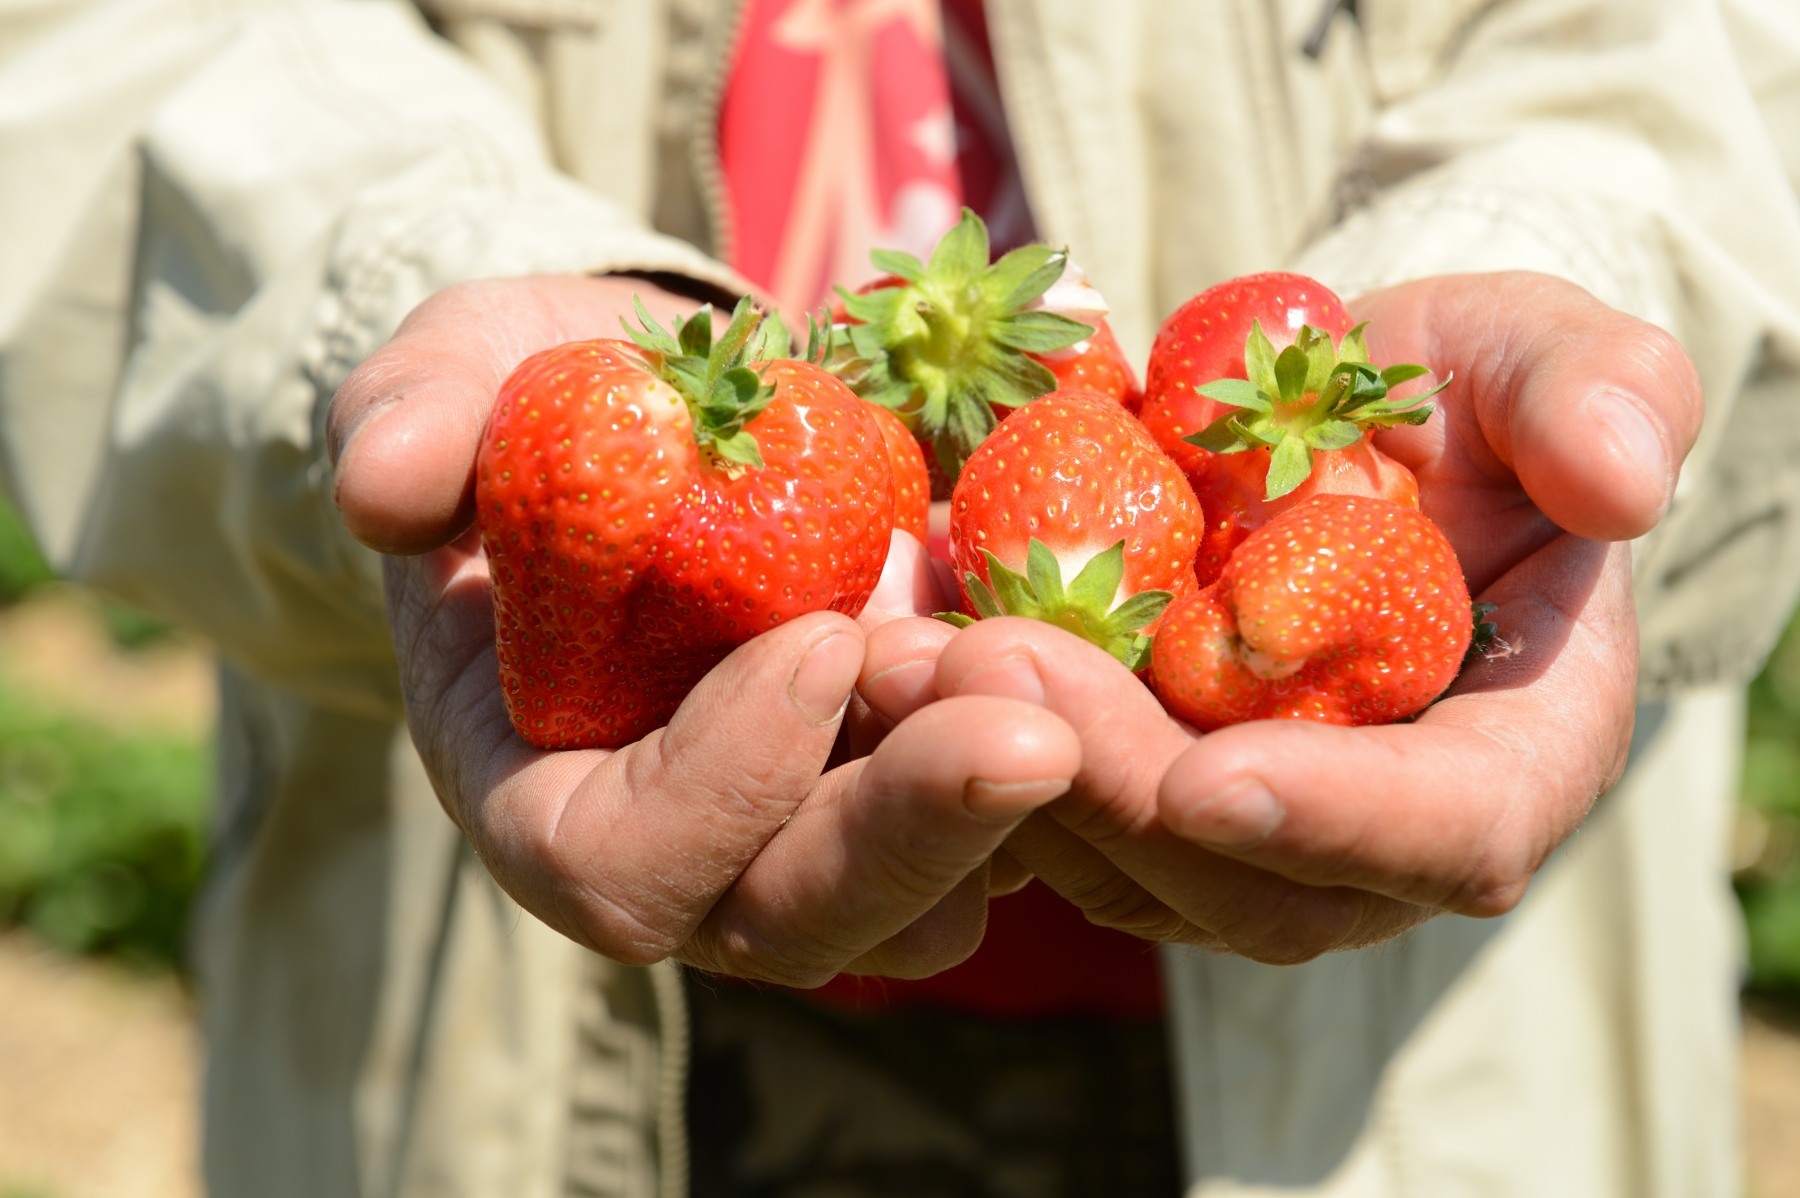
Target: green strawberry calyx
(717, 379)
(953, 338)
(1084, 607)
(1486, 635)
(1312, 396)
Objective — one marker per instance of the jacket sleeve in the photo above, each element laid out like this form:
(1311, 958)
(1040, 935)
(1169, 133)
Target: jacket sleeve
(224, 207)
(1622, 144)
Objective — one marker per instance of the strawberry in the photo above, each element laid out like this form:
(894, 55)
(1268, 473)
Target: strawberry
(1264, 410)
(648, 505)
(955, 343)
(912, 481)
(1204, 339)
(1096, 364)
(1073, 487)
(1345, 609)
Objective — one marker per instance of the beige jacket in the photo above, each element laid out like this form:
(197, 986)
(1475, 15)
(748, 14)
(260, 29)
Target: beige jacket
(210, 210)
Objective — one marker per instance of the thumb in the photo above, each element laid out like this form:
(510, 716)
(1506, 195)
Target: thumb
(404, 428)
(1593, 410)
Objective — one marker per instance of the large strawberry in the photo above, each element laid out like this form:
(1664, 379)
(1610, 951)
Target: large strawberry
(1072, 487)
(1263, 391)
(1345, 609)
(953, 344)
(648, 505)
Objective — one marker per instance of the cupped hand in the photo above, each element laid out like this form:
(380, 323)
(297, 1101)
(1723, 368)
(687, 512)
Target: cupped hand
(1560, 438)
(729, 839)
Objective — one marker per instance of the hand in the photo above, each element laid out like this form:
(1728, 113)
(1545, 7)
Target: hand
(1281, 840)
(724, 839)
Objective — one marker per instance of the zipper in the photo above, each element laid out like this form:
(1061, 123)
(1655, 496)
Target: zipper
(673, 1164)
(704, 157)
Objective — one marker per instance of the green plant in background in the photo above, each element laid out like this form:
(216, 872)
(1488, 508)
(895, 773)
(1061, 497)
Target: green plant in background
(22, 567)
(101, 831)
(16, 1190)
(1769, 884)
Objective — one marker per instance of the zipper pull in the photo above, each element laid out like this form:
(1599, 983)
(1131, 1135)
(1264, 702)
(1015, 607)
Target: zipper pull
(1314, 45)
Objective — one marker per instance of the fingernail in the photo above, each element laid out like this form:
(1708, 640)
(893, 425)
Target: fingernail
(1634, 435)
(900, 689)
(1003, 802)
(337, 450)
(821, 684)
(1010, 677)
(1241, 816)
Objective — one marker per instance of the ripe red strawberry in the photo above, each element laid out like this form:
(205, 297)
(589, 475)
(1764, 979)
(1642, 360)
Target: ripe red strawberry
(1265, 409)
(1098, 364)
(1073, 487)
(1344, 609)
(1204, 339)
(912, 482)
(647, 507)
(955, 343)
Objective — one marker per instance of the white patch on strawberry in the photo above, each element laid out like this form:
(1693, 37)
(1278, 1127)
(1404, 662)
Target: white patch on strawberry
(1074, 560)
(1266, 666)
(1076, 298)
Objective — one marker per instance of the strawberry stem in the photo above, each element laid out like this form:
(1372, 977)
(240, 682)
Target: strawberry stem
(1084, 607)
(716, 379)
(951, 342)
(1348, 398)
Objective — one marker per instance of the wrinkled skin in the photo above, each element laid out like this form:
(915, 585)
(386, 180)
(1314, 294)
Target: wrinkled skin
(783, 827)
(1282, 840)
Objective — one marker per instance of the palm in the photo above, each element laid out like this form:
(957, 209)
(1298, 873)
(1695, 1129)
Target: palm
(1282, 839)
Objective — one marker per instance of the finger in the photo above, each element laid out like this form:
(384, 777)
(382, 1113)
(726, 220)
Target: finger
(943, 937)
(1095, 884)
(883, 841)
(1458, 810)
(900, 667)
(1592, 409)
(1108, 851)
(910, 585)
(1006, 874)
(1127, 739)
(626, 852)
(404, 427)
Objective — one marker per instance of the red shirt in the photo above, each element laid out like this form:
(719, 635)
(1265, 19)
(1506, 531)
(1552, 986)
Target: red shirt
(848, 125)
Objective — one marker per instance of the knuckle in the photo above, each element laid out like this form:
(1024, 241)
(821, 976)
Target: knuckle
(1491, 883)
(1495, 902)
(1100, 822)
(1290, 924)
(1119, 903)
(626, 932)
(634, 925)
(917, 871)
(758, 792)
(740, 948)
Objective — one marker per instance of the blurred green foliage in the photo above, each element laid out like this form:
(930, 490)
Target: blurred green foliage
(102, 831)
(21, 565)
(1769, 884)
(18, 1190)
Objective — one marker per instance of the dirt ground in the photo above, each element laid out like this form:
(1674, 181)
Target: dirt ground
(99, 1085)
(99, 1068)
